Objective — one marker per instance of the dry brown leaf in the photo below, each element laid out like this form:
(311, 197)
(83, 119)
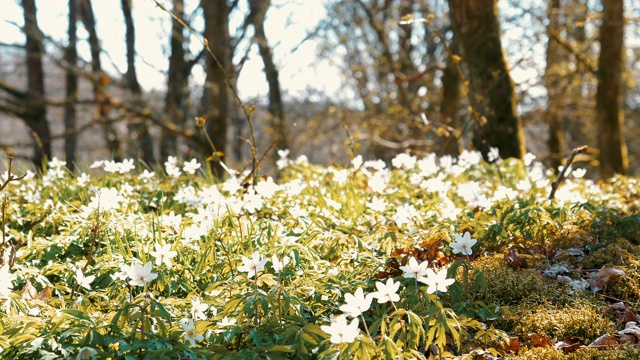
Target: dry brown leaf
(514, 345)
(539, 340)
(605, 340)
(29, 292)
(515, 261)
(599, 280)
(622, 312)
(569, 344)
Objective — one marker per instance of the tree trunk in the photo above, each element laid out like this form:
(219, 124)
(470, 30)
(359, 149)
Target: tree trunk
(71, 58)
(610, 119)
(138, 128)
(215, 96)
(258, 10)
(450, 102)
(555, 89)
(476, 26)
(35, 109)
(177, 84)
(100, 81)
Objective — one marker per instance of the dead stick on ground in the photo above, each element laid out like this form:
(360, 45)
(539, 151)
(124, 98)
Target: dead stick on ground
(561, 176)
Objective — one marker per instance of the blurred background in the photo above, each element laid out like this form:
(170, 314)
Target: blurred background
(87, 80)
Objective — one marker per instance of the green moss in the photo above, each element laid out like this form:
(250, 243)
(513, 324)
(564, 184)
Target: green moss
(581, 319)
(511, 287)
(550, 353)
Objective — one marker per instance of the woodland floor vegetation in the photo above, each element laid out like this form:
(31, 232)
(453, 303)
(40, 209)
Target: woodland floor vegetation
(420, 258)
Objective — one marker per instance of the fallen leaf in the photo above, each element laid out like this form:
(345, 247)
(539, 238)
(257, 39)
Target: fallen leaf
(605, 340)
(29, 292)
(515, 261)
(599, 280)
(630, 335)
(539, 340)
(514, 345)
(622, 312)
(569, 344)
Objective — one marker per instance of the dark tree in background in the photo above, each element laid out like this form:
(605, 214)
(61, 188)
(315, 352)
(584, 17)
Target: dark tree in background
(138, 127)
(177, 94)
(476, 26)
(610, 119)
(215, 96)
(554, 83)
(99, 81)
(258, 11)
(71, 59)
(35, 111)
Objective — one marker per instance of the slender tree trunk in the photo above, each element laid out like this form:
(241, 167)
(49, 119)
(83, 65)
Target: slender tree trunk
(555, 94)
(71, 57)
(450, 102)
(476, 25)
(610, 119)
(35, 109)
(177, 83)
(138, 128)
(215, 99)
(258, 10)
(100, 81)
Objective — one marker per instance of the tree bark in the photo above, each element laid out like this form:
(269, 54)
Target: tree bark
(138, 127)
(215, 98)
(476, 25)
(450, 102)
(555, 94)
(35, 110)
(100, 81)
(71, 58)
(610, 119)
(177, 83)
(258, 11)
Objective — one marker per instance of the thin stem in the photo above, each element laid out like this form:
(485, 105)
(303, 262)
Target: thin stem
(567, 164)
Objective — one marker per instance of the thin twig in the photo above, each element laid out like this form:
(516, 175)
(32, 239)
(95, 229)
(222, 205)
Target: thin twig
(561, 176)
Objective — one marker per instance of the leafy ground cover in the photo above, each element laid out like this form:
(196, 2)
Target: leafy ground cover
(424, 258)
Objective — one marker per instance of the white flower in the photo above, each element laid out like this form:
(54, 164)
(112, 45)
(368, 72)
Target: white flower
(377, 204)
(493, 154)
(191, 166)
(279, 265)
(6, 278)
(254, 265)
(437, 281)
(224, 323)
(340, 331)
(578, 173)
(356, 303)
(126, 166)
(356, 162)
(403, 161)
(387, 292)
(190, 333)
(415, 270)
(267, 188)
(86, 353)
(83, 179)
(163, 254)
(55, 163)
(84, 281)
(141, 275)
(198, 308)
(341, 176)
(528, 158)
(463, 244)
(106, 199)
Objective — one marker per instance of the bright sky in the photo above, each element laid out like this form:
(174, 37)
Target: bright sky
(286, 25)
